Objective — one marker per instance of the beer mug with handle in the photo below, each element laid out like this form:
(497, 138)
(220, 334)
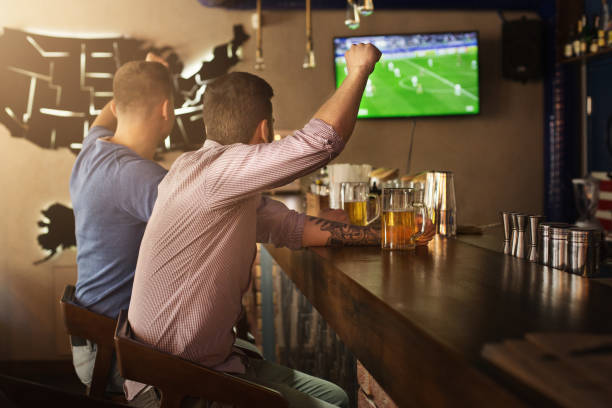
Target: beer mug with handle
(354, 197)
(401, 208)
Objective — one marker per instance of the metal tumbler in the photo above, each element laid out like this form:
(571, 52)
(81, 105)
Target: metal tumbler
(534, 223)
(513, 233)
(558, 247)
(440, 202)
(521, 220)
(584, 246)
(544, 240)
(507, 227)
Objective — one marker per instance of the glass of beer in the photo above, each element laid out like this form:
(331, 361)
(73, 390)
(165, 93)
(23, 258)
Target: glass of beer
(403, 218)
(354, 197)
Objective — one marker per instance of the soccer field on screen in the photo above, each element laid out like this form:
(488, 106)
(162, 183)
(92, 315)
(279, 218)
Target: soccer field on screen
(427, 85)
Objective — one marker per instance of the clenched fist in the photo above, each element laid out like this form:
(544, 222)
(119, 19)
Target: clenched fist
(151, 57)
(362, 57)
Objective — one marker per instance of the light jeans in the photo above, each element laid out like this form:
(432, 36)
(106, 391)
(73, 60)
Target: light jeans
(300, 389)
(84, 359)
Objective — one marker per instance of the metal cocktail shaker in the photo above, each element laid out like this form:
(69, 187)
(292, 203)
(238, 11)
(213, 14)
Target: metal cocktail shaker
(513, 233)
(584, 246)
(558, 247)
(507, 228)
(544, 240)
(521, 220)
(440, 202)
(534, 223)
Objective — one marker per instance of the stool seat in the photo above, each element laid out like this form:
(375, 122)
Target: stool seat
(96, 328)
(178, 378)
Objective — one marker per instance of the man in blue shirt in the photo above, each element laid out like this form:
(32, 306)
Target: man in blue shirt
(113, 187)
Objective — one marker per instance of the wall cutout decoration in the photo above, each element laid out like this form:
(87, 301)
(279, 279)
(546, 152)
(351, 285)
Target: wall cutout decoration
(59, 222)
(54, 87)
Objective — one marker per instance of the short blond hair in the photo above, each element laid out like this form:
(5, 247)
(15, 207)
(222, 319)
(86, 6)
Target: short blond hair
(139, 85)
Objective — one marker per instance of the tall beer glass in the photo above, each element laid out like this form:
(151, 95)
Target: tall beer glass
(354, 197)
(403, 218)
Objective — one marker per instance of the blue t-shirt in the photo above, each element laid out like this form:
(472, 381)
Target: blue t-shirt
(113, 191)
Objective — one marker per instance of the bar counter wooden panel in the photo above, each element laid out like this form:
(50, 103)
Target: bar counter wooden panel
(418, 320)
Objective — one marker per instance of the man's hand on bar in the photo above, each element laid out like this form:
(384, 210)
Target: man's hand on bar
(334, 215)
(322, 232)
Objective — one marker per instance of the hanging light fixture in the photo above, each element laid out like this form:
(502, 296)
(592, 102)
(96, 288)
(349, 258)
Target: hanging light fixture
(259, 61)
(352, 14)
(309, 58)
(366, 7)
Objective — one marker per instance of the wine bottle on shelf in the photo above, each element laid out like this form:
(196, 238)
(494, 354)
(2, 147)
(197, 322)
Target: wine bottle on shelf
(576, 40)
(594, 47)
(605, 15)
(601, 36)
(584, 37)
(568, 49)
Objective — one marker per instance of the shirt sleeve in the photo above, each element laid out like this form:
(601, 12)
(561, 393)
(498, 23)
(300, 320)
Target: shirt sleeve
(95, 133)
(136, 186)
(279, 225)
(243, 169)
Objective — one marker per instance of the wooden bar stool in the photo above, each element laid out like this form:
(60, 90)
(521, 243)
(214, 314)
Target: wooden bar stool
(96, 328)
(20, 393)
(178, 378)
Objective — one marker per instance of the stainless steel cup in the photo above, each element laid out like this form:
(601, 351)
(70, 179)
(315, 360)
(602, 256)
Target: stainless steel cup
(544, 240)
(558, 247)
(521, 220)
(440, 202)
(584, 246)
(507, 227)
(513, 233)
(534, 223)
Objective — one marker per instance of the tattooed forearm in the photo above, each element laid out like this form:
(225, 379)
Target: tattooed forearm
(347, 235)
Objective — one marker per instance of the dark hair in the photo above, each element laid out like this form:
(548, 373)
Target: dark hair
(138, 85)
(234, 104)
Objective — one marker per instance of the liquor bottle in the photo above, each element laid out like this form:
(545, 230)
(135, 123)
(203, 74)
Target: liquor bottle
(576, 39)
(594, 46)
(584, 36)
(568, 49)
(605, 15)
(601, 35)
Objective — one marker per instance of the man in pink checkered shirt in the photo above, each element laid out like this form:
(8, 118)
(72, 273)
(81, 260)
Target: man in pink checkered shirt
(198, 247)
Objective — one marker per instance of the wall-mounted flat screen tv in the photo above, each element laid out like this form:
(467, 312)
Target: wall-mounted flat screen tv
(428, 74)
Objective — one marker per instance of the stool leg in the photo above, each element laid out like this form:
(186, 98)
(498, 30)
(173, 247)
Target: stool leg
(102, 367)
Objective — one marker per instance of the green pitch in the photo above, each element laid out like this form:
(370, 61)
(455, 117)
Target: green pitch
(421, 86)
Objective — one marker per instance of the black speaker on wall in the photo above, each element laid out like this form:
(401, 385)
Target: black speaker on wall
(522, 49)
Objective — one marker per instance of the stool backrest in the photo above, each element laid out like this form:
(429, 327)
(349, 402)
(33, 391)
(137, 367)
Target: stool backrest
(94, 327)
(177, 378)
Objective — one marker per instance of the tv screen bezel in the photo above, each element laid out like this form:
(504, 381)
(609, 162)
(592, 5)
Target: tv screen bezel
(453, 115)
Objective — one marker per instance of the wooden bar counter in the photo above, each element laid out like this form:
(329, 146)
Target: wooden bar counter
(418, 320)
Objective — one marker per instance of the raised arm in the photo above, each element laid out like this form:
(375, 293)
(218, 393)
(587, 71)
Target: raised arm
(340, 111)
(106, 118)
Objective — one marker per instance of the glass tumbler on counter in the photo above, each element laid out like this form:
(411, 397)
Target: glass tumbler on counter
(403, 219)
(354, 197)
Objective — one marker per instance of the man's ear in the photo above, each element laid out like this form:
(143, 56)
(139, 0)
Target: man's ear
(261, 133)
(113, 107)
(166, 109)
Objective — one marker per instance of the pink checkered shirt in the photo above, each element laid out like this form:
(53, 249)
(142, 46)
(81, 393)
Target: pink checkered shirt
(196, 254)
